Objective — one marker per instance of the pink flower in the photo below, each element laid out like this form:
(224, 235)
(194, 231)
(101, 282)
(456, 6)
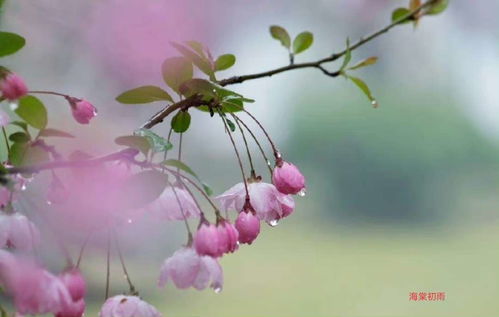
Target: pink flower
(13, 87)
(17, 231)
(74, 282)
(72, 309)
(248, 226)
(185, 268)
(227, 237)
(167, 206)
(127, 306)
(82, 110)
(287, 178)
(206, 240)
(4, 118)
(34, 290)
(269, 204)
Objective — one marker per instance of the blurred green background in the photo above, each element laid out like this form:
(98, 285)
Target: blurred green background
(400, 199)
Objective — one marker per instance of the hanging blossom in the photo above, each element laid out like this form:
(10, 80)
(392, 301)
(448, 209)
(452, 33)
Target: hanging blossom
(287, 178)
(269, 204)
(13, 87)
(127, 306)
(186, 268)
(18, 232)
(167, 206)
(36, 291)
(216, 240)
(248, 226)
(82, 110)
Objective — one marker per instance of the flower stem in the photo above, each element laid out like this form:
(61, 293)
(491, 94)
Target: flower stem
(45, 92)
(253, 175)
(82, 249)
(133, 291)
(181, 210)
(108, 264)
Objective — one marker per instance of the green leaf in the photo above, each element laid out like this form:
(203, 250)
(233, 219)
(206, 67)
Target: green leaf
(399, 14)
(142, 188)
(201, 62)
(10, 43)
(19, 137)
(158, 143)
(16, 153)
(199, 86)
(348, 56)
(34, 155)
(302, 42)
(23, 125)
(231, 125)
(144, 94)
(364, 88)
(49, 132)
(197, 47)
(224, 62)
(280, 34)
(182, 166)
(181, 121)
(176, 70)
(134, 141)
(32, 110)
(368, 61)
(438, 7)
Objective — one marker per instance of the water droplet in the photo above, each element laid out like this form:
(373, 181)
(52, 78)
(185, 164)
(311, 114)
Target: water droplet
(49, 202)
(278, 155)
(268, 163)
(238, 243)
(374, 103)
(13, 105)
(217, 289)
(302, 192)
(129, 221)
(23, 187)
(274, 222)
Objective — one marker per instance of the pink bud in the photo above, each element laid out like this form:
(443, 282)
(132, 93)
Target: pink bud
(75, 283)
(73, 309)
(206, 240)
(13, 87)
(82, 110)
(227, 237)
(248, 226)
(287, 178)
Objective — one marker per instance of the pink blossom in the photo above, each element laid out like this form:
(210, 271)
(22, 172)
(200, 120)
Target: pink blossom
(18, 232)
(186, 268)
(248, 226)
(269, 204)
(206, 240)
(74, 282)
(127, 306)
(167, 206)
(287, 178)
(72, 309)
(227, 237)
(13, 87)
(4, 118)
(34, 290)
(82, 110)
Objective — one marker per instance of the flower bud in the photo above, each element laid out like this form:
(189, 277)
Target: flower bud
(206, 240)
(287, 178)
(248, 226)
(82, 110)
(227, 237)
(13, 87)
(75, 283)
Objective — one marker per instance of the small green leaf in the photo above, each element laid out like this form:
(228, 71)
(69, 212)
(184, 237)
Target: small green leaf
(224, 62)
(197, 47)
(19, 137)
(144, 94)
(48, 132)
(231, 125)
(368, 61)
(201, 62)
(364, 88)
(134, 141)
(176, 70)
(142, 188)
(23, 125)
(207, 189)
(399, 14)
(182, 166)
(280, 34)
(158, 143)
(199, 86)
(348, 56)
(32, 110)
(16, 153)
(302, 42)
(181, 121)
(438, 7)
(10, 43)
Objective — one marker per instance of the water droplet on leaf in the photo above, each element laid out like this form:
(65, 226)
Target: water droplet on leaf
(374, 103)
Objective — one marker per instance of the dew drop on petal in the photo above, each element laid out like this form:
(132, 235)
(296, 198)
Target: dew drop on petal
(302, 192)
(273, 222)
(217, 289)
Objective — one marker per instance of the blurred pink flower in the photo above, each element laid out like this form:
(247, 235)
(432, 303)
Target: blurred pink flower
(186, 268)
(248, 226)
(269, 204)
(167, 206)
(206, 240)
(13, 87)
(127, 306)
(74, 282)
(83, 111)
(18, 232)
(287, 178)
